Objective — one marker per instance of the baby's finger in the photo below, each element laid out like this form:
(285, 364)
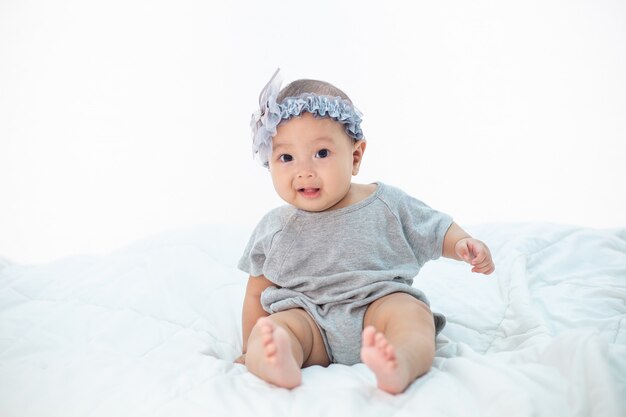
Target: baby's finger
(482, 268)
(490, 269)
(484, 262)
(480, 258)
(487, 269)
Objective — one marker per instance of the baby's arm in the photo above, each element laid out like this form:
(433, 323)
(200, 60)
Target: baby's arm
(459, 245)
(252, 309)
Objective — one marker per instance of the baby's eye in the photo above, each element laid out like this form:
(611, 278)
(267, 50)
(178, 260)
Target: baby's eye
(323, 153)
(285, 158)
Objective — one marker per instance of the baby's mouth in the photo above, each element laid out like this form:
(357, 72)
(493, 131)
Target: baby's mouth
(309, 192)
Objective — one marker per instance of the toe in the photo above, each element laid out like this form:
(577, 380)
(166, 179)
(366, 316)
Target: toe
(369, 336)
(381, 341)
(390, 352)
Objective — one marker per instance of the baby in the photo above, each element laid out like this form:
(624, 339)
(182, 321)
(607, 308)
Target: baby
(331, 272)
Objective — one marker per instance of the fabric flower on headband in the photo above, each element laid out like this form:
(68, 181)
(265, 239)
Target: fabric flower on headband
(271, 114)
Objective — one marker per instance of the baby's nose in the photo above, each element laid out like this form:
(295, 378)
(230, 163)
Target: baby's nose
(305, 169)
(306, 173)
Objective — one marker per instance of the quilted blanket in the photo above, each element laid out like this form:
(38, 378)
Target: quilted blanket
(153, 328)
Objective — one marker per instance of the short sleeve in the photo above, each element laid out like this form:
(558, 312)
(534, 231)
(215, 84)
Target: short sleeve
(253, 257)
(425, 228)
(255, 254)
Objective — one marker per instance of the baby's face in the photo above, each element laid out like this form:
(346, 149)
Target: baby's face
(313, 161)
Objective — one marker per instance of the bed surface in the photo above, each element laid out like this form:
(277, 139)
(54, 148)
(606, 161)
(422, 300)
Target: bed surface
(152, 330)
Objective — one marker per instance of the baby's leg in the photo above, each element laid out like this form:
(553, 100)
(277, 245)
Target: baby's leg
(281, 344)
(398, 340)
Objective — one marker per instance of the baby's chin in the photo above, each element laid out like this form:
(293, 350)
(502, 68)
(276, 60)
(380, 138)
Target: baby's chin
(312, 206)
(318, 209)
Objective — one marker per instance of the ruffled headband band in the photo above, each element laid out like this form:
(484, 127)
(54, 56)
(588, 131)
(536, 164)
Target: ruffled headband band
(271, 114)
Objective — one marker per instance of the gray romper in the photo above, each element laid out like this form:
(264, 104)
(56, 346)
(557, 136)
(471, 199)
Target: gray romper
(334, 264)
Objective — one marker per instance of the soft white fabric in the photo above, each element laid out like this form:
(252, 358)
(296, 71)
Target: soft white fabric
(152, 330)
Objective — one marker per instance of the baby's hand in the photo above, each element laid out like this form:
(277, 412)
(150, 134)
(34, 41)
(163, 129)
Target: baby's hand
(241, 359)
(475, 253)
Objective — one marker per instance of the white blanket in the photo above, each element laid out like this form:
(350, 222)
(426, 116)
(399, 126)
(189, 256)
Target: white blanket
(152, 330)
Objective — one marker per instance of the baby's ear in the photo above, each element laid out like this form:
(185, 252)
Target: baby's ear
(357, 155)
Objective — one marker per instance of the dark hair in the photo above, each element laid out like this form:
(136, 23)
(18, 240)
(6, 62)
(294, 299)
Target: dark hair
(321, 88)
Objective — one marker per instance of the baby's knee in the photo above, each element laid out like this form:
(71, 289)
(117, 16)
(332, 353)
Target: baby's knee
(396, 307)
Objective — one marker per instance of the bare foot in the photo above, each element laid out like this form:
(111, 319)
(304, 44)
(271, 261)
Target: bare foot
(278, 366)
(380, 357)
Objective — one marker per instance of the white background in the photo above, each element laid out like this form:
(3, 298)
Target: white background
(126, 118)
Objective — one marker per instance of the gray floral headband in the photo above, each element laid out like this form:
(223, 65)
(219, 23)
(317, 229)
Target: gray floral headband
(271, 114)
